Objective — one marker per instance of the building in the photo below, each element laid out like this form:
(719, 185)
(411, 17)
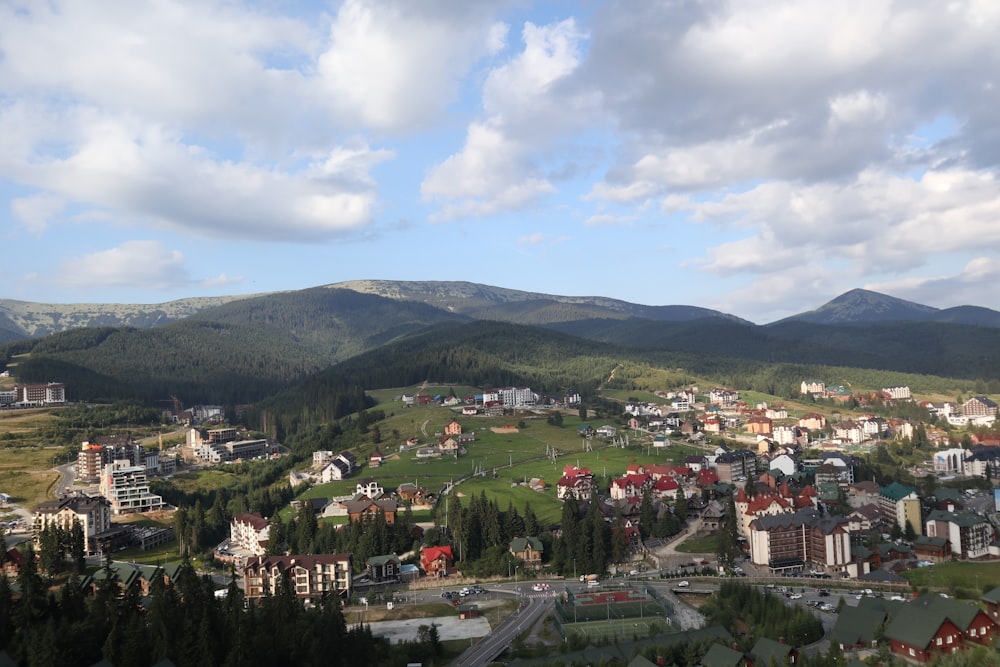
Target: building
(453, 428)
(896, 393)
(951, 461)
(812, 387)
(970, 534)
(37, 395)
(313, 577)
(791, 542)
(979, 406)
(250, 532)
(919, 631)
(93, 514)
(901, 504)
(235, 450)
(575, 483)
(383, 568)
(127, 489)
(736, 465)
(437, 561)
(366, 509)
(528, 550)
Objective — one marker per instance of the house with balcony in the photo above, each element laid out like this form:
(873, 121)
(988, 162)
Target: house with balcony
(314, 578)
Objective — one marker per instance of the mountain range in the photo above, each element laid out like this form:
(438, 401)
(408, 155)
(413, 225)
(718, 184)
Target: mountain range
(23, 319)
(240, 349)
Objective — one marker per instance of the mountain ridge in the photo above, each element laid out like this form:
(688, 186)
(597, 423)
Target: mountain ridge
(23, 319)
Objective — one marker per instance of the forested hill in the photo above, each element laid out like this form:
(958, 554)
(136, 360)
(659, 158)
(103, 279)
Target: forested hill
(237, 353)
(934, 348)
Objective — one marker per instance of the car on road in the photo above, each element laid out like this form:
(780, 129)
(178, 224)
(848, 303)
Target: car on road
(795, 596)
(464, 592)
(538, 587)
(683, 584)
(823, 593)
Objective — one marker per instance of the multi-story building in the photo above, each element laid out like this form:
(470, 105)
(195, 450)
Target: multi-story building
(780, 501)
(812, 421)
(979, 406)
(312, 577)
(93, 514)
(513, 397)
(791, 542)
(896, 393)
(127, 488)
(901, 504)
(736, 465)
(812, 387)
(250, 532)
(723, 396)
(970, 535)
(51, 393)
(951, 461)
(235, 450)
(575, 483)
(89, 463)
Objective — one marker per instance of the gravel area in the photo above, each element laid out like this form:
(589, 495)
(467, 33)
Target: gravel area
(449, 627)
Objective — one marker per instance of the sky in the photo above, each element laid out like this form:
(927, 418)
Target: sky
(758, 157)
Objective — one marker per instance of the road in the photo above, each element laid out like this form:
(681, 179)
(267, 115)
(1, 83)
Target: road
(503, 635)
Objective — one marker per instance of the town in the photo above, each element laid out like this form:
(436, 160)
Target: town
(775, 491)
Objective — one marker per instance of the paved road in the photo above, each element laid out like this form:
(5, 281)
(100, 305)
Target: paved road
(501, 637)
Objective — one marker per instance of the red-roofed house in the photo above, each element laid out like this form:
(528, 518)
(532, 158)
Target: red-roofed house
(576, 483)
(630, 486)
(706, 477)
(436, 561)
(666, 487)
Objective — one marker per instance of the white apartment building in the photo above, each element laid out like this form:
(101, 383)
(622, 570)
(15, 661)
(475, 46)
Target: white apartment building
(127, 488)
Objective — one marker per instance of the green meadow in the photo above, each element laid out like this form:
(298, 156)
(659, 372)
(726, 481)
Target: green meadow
(496, 463)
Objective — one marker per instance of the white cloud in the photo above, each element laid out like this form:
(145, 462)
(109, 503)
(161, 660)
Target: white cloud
(498, 168)
(722, 95)
(540, 239)
(221, 280)
(392, 65)
(601, 219)
(146, 174)
(36, 212)
(134, 264)
(974, 284)
(879, 222)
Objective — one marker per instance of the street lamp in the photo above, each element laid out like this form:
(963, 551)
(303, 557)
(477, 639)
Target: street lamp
(574, 568)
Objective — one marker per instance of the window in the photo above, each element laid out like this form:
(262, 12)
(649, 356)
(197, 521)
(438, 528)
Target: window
(938, 641)
(912, 652)
(950, 639)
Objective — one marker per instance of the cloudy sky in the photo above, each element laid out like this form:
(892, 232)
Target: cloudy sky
(755, 156)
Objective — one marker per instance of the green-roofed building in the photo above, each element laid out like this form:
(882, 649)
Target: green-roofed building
(383, 568)
(641, 661)
(977, 625)
(528, 549)
(918, 634)
(992, 600)
(900, 503)
(856, 627)
(723, 656)
(770, 652)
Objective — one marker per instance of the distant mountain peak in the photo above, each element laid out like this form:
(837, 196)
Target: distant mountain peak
(861, 306)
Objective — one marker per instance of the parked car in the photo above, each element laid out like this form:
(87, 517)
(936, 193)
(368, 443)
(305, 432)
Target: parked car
(683, 584)
(795, 596)
(823, 593)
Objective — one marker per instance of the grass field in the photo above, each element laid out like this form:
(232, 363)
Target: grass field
(973, 577)
(620, 629)
(26, 474)
(503, 460)
(699, 545)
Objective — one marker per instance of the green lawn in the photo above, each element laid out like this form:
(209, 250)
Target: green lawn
(972, 577)
(694, 545)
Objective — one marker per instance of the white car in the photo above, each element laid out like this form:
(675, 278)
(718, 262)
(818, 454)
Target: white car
(795, 596)
(683, 584)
